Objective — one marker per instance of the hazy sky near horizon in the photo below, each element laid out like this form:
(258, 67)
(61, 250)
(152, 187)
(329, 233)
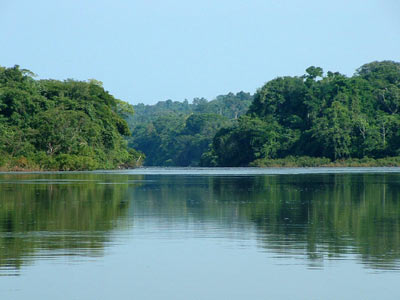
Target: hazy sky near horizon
(152, 50)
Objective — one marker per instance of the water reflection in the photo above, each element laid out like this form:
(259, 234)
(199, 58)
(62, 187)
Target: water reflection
(45, 216)
(333, 215)
(316, 217)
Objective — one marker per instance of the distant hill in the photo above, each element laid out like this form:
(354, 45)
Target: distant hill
(172, 133)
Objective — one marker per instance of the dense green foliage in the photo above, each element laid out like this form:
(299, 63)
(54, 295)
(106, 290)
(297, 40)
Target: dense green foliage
(178, 133)
(308, 120)
(332, 116)
(60, 125)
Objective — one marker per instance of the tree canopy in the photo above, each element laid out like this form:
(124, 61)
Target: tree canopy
(317, 115)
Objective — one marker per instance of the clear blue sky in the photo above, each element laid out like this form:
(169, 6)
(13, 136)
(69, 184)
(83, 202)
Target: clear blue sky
(151, 50)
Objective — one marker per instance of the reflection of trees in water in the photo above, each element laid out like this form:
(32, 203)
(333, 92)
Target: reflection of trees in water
(332, 215)
(67, 214)
(316, 215)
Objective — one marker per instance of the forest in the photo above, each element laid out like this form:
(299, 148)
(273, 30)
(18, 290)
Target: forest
(61, 125)
(316, 119)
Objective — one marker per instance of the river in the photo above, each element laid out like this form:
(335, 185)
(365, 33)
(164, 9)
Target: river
(188, 233)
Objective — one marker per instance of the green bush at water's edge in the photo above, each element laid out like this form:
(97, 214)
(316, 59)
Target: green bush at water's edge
(61, 125)
(300, 121)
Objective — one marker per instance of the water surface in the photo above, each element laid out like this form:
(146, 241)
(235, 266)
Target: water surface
(235, 233)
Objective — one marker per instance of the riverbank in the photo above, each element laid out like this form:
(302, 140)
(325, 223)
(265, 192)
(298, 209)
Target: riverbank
(23, 164)
(308, 162)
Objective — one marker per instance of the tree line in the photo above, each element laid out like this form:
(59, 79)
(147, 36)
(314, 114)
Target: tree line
(310, 120)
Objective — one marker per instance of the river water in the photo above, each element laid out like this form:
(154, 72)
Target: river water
(235, 233)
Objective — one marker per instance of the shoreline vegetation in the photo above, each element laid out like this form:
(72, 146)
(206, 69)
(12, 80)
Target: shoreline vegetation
(60, 163)
(310, 162)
